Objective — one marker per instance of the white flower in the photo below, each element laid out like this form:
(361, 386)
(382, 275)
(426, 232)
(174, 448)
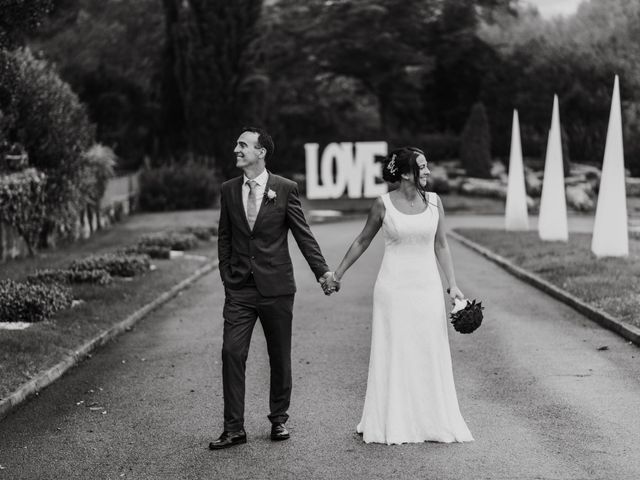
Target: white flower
(271, 195)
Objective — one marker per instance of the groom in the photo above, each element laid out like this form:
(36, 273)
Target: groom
(257, 210)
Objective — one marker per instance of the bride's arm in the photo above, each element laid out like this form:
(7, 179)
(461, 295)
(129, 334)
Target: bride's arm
(443, 254)
(362, 241)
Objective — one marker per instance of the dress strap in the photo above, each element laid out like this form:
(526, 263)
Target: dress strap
(385, 200)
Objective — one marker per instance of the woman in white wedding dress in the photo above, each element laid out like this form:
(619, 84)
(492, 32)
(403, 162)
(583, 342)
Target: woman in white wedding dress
(411, 395)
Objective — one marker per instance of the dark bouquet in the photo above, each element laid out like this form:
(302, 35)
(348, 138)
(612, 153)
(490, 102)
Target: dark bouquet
(466, 315)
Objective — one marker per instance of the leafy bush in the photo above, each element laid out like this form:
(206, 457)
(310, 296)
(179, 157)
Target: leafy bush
(178, 187)
(26, 302)
(475, 144)
(173, 240)
(100, 277)
(22, 204)
(117, 264)
(203, 233)
(154, 251)
(42, 113)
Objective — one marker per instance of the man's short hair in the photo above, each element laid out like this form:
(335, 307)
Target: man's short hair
(264, 140)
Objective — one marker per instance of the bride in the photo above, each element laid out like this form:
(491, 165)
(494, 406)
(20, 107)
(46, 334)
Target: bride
(411, 395)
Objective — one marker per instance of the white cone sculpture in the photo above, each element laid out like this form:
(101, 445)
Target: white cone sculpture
(552, 220)
(610, 231)
(516, 217)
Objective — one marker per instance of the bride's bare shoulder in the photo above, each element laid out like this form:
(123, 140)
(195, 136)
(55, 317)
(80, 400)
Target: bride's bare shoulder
(378, 208)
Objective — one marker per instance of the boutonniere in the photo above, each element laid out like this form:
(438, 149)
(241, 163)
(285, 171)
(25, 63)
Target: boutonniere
(270, 196)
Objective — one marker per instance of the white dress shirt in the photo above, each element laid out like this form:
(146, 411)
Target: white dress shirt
(261, 184)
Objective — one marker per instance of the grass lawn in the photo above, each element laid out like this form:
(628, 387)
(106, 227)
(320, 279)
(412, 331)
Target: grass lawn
(611, 284)
(25, 353)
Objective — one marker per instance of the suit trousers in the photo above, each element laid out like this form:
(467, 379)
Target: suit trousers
(242, 307)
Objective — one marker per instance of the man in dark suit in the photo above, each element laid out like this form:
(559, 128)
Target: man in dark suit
(257, 210)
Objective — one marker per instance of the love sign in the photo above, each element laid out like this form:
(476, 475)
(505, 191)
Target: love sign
(344, 166)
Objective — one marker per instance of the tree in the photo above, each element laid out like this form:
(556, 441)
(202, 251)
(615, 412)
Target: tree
(475, 144)
(577, 59)
(47, 118)
(17, 17)
(110, 52)
(209, 75)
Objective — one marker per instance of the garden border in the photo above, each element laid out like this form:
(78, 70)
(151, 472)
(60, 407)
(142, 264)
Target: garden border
(46, 378)
(604, 319)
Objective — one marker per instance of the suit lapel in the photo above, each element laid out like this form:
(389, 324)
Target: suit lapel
(264, 206)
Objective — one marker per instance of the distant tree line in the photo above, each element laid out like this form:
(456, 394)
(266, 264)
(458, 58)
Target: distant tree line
(173, 81)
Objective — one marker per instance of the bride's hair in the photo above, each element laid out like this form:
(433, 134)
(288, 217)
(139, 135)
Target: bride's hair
(403, 160)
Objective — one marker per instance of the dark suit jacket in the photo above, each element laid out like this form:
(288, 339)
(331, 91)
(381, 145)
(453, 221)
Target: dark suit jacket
(265, 250)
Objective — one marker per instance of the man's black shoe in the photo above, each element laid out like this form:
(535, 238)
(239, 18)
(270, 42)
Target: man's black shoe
(229, 439)
(279, 432)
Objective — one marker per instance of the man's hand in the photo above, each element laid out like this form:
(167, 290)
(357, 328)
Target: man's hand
(329, 283)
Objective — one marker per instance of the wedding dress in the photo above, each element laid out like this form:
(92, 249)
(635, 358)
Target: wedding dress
(411, 395)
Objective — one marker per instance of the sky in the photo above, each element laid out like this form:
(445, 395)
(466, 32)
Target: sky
(551, 8)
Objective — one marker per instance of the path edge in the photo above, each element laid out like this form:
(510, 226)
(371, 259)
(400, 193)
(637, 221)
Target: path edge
(604, 319)
(46, 378)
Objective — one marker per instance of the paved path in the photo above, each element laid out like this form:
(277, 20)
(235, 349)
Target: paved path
(540, 398)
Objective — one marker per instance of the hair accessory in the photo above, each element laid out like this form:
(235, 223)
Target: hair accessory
(391, 166)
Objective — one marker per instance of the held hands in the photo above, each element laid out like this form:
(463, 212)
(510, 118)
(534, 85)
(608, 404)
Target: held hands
(329, 283)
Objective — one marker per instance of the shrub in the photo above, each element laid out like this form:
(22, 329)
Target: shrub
(98, 276)
(203, 233)
(475, 144)
(154, 251)
(42, 113)
(117, 264)
(178, 187)
(22, 204)
(25, 302)
(173, 240)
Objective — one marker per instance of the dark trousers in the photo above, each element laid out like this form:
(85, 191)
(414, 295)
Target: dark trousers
(242, 308)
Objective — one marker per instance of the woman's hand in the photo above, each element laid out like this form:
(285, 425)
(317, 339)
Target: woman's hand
(455, 292)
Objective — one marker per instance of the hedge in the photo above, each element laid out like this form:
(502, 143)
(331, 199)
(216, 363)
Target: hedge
(173, 240)
(178, 187)
(31, 302)
(154, 251)
(117, 264)
(203, 233)
(98, 276)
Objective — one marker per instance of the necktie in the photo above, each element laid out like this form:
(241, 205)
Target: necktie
(252, 211)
